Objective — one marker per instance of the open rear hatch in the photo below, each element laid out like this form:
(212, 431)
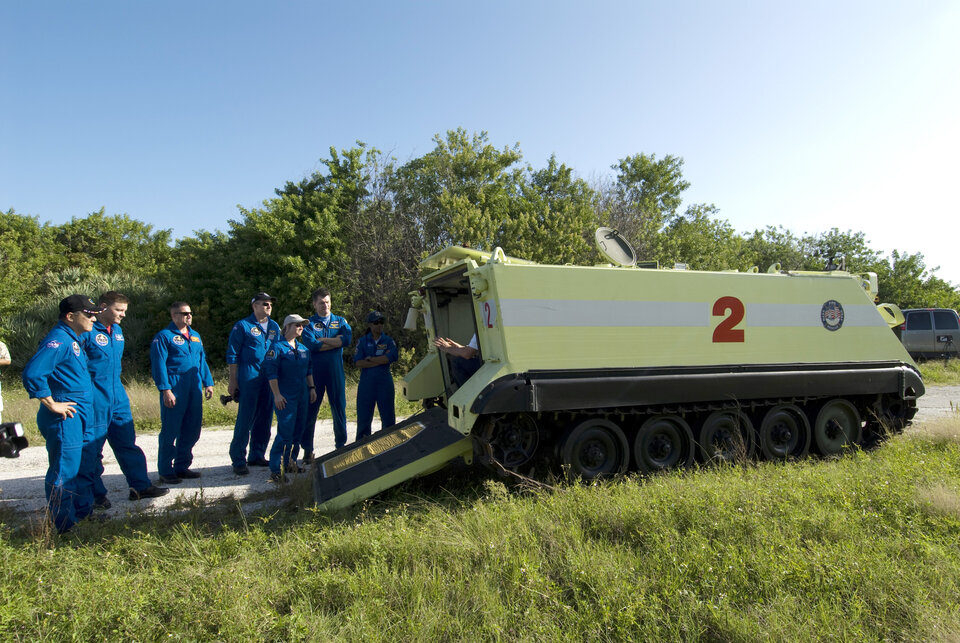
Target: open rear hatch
(420, 444)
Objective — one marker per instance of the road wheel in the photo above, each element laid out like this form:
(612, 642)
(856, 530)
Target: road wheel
(594, 448)
(784, 433)
(663, 442)
(837, 425)
(513, 439)
(726, 436)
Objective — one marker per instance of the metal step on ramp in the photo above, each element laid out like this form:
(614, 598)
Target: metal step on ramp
(420, 444)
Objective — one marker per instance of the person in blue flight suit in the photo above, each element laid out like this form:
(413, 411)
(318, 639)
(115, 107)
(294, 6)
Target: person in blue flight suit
(375, 352)
(179, 367)
(246, 348)
(57, 375)
(113, 420)
(288, 367)
(326, 336)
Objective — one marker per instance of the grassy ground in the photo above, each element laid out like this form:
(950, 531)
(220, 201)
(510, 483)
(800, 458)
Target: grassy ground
(862, 547)
(941, 372)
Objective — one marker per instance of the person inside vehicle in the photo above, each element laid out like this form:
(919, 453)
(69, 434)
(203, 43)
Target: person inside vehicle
(464, 360)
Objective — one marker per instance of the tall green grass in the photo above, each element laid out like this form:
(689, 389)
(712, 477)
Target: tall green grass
(861, 547)
(941, 372)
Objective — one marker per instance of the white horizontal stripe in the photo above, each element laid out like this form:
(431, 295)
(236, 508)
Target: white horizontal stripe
(572, 312)
(560, 313)
(795, 315)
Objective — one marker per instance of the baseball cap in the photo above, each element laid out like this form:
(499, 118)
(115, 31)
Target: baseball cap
(262, 296)
(374, 316)
(293, 319)
(78, 303)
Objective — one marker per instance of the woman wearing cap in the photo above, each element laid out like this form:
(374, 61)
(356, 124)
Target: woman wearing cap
(375, 353)
(288, 369)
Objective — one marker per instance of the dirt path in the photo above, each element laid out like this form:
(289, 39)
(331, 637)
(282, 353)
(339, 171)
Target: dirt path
(936, 403)
(21, 479)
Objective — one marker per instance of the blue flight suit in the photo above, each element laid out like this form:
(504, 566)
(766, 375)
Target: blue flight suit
(59, 369)
(111, 408)
(290, 367)
(246, 348)
(179, 364)
(376, 383)
(327, 375)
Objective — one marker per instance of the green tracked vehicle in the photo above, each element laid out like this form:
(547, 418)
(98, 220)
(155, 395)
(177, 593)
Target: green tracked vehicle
(614, 367)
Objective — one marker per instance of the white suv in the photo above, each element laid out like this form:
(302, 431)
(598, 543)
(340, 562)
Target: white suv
(931, 332)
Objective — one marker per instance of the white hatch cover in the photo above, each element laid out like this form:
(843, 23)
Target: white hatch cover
(614, 247)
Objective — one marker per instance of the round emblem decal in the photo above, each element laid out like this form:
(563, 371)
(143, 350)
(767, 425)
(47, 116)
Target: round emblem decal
(178, 340)
(102, 339)
(318, 326)
(76, 349)
(255, 331)
(831, 315)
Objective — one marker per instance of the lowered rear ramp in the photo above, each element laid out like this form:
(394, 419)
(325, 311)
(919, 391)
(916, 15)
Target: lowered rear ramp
(420, 444)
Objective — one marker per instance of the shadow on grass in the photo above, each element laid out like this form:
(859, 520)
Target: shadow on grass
(285, 506)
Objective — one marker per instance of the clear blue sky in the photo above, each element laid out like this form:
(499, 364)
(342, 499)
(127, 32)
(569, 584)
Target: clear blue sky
(808, 115)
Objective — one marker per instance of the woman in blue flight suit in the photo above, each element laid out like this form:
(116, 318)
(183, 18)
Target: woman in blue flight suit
(375, 353)
(289, 370)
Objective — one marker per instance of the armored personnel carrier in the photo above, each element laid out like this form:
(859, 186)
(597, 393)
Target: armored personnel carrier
(613, 367)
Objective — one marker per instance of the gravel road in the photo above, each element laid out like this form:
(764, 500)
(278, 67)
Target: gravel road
(21, 479)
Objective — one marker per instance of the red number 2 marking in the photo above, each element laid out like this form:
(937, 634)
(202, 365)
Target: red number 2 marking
(725, 331)
(488, 314)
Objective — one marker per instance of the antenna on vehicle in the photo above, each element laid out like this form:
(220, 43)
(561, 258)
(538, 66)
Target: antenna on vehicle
(614, 247)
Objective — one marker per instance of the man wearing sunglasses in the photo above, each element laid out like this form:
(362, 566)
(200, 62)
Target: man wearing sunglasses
(57, 375)
(179, 367)
(246, 348)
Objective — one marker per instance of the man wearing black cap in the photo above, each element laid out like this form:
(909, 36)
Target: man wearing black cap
(246, 348)
(375, 352)
(57, 375)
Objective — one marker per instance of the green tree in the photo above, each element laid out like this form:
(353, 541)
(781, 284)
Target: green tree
(773, 245)
(702, 241)
(382, 263)
(114, 243)
(820, 248)
(27, 251)
(460, 192)
(643, 199)
(905, 281)
(552, 218)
